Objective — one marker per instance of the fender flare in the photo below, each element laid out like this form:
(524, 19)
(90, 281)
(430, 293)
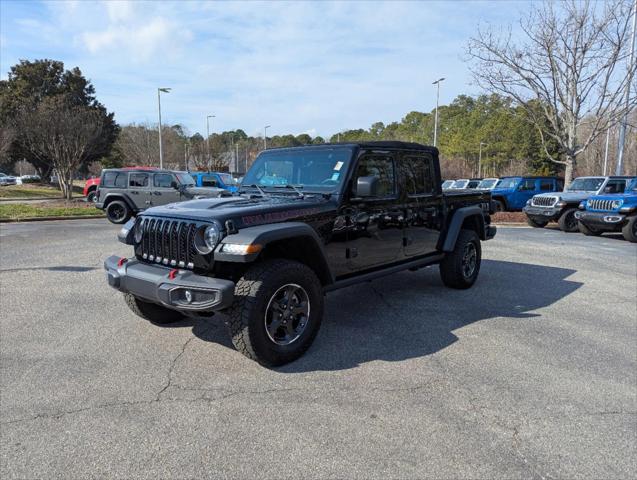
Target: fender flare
(455, 225)
(267, 234)
(117, 196)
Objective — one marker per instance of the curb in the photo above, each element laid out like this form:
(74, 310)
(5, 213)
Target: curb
(43, 219)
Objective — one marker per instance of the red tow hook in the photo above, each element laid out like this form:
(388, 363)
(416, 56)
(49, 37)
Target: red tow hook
(173, 273)
(122, 261)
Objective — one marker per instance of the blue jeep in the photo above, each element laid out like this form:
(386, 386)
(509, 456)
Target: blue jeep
(610, 213)
(512, 193)
(215, 179)
(561, 207)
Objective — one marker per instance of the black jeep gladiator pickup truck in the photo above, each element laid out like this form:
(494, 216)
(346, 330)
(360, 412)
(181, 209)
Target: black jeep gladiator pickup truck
(307, 220)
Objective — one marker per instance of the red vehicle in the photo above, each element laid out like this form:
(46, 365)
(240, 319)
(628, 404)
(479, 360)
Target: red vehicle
(90, 187)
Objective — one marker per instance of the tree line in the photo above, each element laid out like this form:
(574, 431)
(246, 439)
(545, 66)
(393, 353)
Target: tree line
(555, 101)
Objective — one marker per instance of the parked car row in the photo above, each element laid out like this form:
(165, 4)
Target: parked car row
(591, 205)
(11, 180)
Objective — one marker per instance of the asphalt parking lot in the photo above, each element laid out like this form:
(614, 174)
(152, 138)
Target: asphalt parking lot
(530, 374)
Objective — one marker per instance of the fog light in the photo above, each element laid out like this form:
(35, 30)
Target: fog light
(188, 296)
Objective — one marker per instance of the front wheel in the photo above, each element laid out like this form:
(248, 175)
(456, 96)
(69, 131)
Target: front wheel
(588, 231)
(277, 312)
(460, 268)
(151, 312)
(567, 221)
(499, 206)
(90, 198)
(630, 230)
(535, 223)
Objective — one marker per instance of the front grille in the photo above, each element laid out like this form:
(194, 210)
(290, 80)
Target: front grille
(595, 204)
(544, 201)
(169, 242)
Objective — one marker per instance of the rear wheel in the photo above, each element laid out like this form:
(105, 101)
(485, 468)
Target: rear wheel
(499, 206)
(277, 312)
(588, 231)
(567, 221)
(460, 268)
(150, 311)
(90, 198)
(118, 212)
(536, 224)
(630, 230)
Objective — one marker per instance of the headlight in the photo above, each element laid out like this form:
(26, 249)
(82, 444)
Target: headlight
(139, 230)
(616, 204)
(628, 209)
(582, 205)
(207, 239)
(560, 204)
(528, 202)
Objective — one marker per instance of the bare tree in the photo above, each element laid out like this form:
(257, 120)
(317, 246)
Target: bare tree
(571, 61)
(62, 133)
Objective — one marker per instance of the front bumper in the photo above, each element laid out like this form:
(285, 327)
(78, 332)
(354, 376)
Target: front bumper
(490, 231)
(542, 213)
(172, 288)
(602, 220)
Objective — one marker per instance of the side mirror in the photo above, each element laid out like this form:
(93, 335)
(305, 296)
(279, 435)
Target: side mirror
(367, 186)
(174, 185)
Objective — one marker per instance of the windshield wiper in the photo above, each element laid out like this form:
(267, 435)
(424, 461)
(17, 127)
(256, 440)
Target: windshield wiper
(295, 188)
(254, 185)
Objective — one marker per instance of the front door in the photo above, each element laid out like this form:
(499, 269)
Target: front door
(139, 190)
(164, 191)
(525, 191)
(422, 204)
(375, 224)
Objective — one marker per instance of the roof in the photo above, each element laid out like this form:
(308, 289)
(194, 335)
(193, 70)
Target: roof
(371, 145)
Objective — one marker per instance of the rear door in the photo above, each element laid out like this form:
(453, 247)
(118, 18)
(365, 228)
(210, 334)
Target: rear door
(139, 189)
(163, 190)
(526, 189)
(422, 204)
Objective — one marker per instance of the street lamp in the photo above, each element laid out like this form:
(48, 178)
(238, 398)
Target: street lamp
(480, 159)
(161, 152)
(265, 137)
(437, 83)
(624, 122)
(208, 137)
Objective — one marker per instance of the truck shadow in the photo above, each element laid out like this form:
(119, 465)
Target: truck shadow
(410, 315)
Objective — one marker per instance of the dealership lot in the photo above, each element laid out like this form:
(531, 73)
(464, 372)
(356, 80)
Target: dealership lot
(530, 374)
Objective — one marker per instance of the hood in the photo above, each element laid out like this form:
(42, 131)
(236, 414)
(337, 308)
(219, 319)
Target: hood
(568, 196)
(628, 198)
(205, 191)
(245, 211)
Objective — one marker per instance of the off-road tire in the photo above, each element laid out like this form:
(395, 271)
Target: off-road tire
(567, 221)
(588, 231)
(246, 317)
(536, 224)
(151, 312)
(90, 197)
(113, 209)
(451, 267)
(499, 206)
(630, 230)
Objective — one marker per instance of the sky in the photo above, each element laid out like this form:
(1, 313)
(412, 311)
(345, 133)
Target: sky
(301, 67)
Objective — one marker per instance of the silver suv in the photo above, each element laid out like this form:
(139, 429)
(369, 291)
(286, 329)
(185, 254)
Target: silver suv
(123, 193)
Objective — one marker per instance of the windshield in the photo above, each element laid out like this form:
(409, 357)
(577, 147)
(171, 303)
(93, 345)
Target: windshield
(460, 184)
(586, 184)
(186, 179)
(508, 182)
(447, 184)
(321, 170)
(486, 184)
(632, 186)
(227, 179)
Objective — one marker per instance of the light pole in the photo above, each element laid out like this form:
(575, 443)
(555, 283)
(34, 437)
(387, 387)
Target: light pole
(265, 137)
(161, 151)
(234, 161)
(208, 138)
(437, 84)
(606, 150)
(480, 159)
(622, 130)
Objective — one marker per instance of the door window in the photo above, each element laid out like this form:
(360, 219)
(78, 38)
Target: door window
(208, 181)
(615, 186)
(527, 185)
(419, 178)
(138, 180)
(163, 180)
(382, 167)
(546, 185)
